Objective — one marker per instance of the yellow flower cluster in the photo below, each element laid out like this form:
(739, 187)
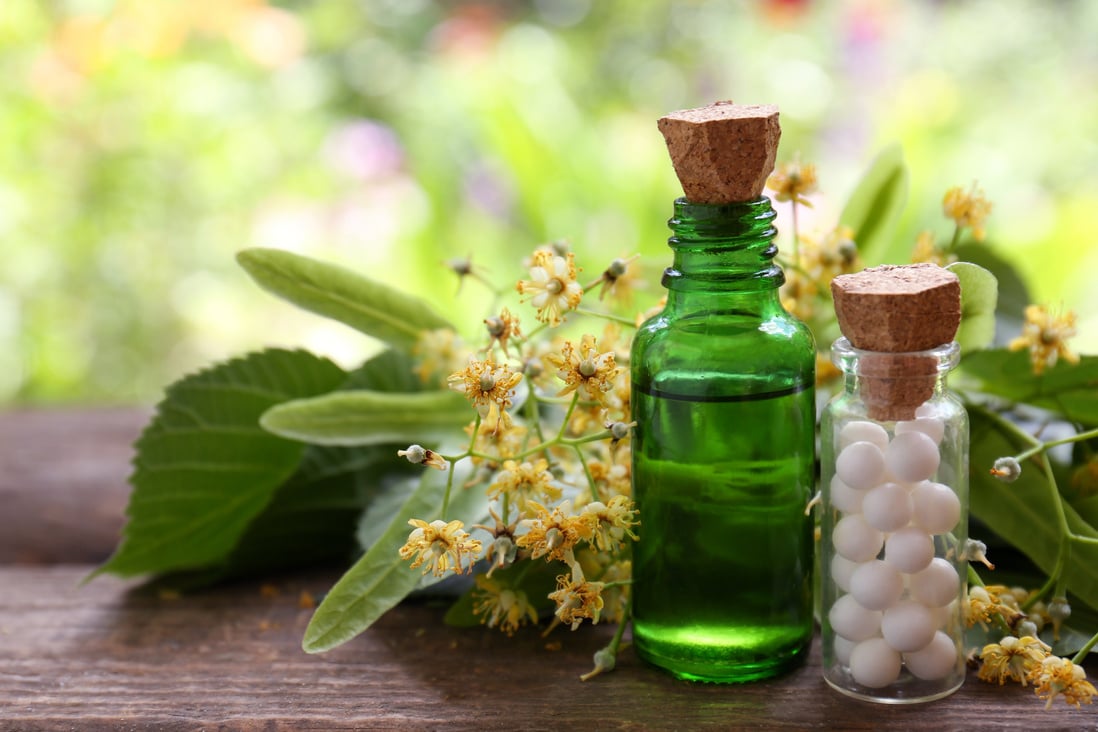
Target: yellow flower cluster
(584, 370)
(1028, 660)
(1046, 336)
(552, 287)
(792, 181)
(497, 604)
(440, 546)
(968, 209)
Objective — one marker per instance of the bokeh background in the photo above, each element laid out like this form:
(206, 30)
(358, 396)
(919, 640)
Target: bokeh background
(144, 142)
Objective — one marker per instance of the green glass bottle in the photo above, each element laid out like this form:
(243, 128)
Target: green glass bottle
(723, 456)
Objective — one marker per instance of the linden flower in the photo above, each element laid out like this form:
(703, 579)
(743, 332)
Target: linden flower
(577, 598)
(611, 523)
(502, 328)
(1046, 336)
(1012, 658)
(439, 546)
(967, 209)
(927, 250)
(618, 280)
(554, 534)
(524, 481)
(438, 352)
(497, 604)
(589, 373)
(614, 478)
(792, 182)
(485, 383)
(552, 286)
(1060, 677)
(835, 254)
(982, 602)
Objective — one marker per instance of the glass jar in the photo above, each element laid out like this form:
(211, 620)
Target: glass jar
(723, 395)
(894, 477)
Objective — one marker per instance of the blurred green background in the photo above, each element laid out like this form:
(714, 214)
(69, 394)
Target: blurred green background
(144, 142)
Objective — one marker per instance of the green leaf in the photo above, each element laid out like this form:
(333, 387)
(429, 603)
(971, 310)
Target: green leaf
(1071, 390)
(876, 204)
(381, 579)
(1024, 512)
(979, 297)
(1013, 293)
(338, 293)
(204, 468)
(313, 515)
(363, 417)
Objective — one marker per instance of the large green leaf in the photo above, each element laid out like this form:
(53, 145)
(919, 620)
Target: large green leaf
(979, 295)
(312, 517)
(336, 292)
(876, 204)
(381, 579)
(362, 417)
(1069, 389)
(204, 468)
(1024, 512)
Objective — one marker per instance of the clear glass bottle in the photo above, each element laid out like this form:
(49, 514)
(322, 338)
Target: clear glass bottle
(894, 477)
(723, 456)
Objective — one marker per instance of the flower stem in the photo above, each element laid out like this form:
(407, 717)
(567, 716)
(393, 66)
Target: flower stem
(1081, 436)
(1078, 657)
(608, 316)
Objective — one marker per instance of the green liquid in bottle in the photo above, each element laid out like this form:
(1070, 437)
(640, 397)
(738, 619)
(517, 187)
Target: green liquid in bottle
(723, 457)
(726, 594)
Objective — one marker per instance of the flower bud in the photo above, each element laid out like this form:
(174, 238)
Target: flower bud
(1007, 469)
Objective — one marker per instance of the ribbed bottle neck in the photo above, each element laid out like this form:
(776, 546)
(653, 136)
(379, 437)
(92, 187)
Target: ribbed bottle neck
(723, 248)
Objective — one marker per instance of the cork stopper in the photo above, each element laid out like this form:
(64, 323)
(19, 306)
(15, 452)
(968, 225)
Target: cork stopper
(723, 152)
(894, 313)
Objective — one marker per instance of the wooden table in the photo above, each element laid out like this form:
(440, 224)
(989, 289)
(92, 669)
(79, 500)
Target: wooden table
(109, 656)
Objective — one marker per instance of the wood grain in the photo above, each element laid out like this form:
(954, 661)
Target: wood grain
(111, 655)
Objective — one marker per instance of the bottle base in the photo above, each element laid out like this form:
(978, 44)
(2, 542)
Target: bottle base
(903, 695)
(720, 664)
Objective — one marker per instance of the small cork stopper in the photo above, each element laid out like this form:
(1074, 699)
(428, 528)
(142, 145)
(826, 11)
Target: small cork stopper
(893, 312)
(723, 152)
(898, 309)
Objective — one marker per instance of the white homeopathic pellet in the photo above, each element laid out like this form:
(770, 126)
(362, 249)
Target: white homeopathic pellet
(855, 539)
(852, 621)
(908, 626)
(909, 549)
(874, 663)
(845, 498)
(912, 457)
(862, 431)
(843, 647)
(876, 585)
(937, 585)
(936, 661)
(936, 508)
(861, 465)
(932, 428)
(887, 507)
(842, 569)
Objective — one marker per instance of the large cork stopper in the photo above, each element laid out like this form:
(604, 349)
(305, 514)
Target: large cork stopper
(894, 312)
(722, 153)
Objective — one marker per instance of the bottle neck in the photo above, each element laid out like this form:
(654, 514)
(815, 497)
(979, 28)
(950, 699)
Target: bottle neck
(722, 249)
(894, 385)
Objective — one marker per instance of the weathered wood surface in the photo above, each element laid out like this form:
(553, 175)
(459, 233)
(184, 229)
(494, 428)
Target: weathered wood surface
(109, 655)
